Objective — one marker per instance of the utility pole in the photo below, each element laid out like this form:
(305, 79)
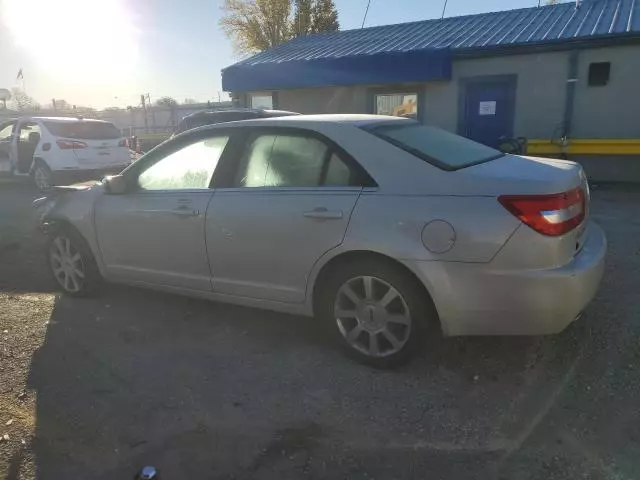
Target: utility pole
(153, 113)
(144, 112)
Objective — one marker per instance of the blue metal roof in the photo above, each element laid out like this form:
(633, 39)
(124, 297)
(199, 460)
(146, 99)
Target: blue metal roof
(551, 24)
(380, 68)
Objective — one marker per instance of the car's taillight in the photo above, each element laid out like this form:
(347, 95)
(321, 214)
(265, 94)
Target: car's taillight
(551, 215)
(123, 143)
(70, 144)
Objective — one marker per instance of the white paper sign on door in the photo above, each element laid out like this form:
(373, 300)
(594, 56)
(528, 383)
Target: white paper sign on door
(488, 108)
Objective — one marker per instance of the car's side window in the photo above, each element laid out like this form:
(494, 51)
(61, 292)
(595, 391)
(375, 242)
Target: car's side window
(291, 160)
(296, 162)
(190, 167)
(26, 129)
(5, 133)
(338, 173)
(254, 163)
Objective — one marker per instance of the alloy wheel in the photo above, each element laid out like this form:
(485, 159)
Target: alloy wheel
(372, 316)
(67, 264)
(41, 178)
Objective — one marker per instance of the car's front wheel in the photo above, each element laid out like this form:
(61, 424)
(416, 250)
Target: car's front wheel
(378, 312)
(71, 263)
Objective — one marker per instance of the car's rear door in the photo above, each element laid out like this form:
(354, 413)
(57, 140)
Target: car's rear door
(154, 233)
(287, 202)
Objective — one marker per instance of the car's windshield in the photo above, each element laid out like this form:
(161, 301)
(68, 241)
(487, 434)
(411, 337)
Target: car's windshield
(83, 130)
(434, 145)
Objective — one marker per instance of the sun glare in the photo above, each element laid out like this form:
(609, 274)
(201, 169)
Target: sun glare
(89, 40)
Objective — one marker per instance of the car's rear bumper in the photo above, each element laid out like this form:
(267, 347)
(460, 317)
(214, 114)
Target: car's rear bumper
(474, 299)
(65, 177)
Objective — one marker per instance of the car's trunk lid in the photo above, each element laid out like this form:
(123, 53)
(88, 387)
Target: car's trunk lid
(101, 152)
(94, 143)
(515, 175)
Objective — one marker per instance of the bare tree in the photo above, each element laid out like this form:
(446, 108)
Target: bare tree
(302, 18)
(166, 102)
(256, 25)
(324, 17)
(21, 101)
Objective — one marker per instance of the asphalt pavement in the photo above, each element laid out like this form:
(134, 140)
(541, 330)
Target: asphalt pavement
(96, 388)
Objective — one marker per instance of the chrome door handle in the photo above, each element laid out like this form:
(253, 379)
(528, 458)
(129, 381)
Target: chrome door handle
(185, 211)
(179, 212)
(323, 214)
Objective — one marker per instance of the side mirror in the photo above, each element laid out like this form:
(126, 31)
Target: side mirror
(115, 185)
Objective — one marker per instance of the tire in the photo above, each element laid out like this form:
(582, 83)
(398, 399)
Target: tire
(71, 263)
(41, 175)
(378, 313)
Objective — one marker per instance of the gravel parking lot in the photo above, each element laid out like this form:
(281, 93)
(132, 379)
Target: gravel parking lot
(97, 388)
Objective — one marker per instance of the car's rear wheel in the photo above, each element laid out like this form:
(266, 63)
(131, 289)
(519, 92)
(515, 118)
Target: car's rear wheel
(378, 312)
(71, 263)
(42, 175)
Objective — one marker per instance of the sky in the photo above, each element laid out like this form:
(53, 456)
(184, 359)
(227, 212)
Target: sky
(103, 53)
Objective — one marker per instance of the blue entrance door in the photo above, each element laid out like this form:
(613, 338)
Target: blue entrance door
(489, 110)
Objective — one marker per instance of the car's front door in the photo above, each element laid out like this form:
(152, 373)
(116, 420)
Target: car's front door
(23, 145)
(288, 202)
(154, 233)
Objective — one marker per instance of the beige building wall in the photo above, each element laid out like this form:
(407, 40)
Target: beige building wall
(324, 100)
(613, 110)
(539, 102)
(540, 93)
(599, 112)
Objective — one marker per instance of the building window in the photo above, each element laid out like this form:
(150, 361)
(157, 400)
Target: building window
(397, 104)
(262, 100)
(599, 74)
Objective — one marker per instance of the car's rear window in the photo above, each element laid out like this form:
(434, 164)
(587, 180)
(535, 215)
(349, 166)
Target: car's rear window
(438, 147)
(84, 130)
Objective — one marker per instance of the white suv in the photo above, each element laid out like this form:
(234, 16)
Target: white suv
(56, 150)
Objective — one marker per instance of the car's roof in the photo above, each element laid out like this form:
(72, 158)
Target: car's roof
(205, 113)
(68, 119)
(350, 119)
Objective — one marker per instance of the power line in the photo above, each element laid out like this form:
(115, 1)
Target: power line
(444, 9)
(365, 13)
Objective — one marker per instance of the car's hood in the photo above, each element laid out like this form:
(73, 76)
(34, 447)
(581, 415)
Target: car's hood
(58, 191)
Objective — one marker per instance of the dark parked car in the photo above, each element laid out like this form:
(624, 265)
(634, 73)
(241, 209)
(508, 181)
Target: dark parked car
(209, 117)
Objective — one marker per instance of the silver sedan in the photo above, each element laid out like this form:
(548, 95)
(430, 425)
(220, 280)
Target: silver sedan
(387, 230)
